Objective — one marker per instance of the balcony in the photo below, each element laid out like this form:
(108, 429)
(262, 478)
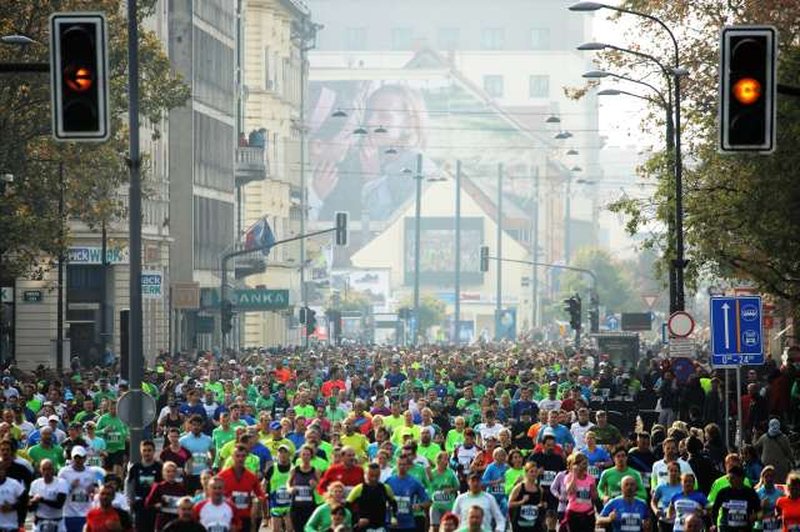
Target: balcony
(251, 164)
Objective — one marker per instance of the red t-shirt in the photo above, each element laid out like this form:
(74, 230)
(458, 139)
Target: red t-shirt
(240, 491)
(101, 520)
(349, 476)
(790, 512)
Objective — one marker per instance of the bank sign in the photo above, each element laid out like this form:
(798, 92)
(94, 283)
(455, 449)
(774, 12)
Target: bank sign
(94, 255)
(254, 299)
(152, 284)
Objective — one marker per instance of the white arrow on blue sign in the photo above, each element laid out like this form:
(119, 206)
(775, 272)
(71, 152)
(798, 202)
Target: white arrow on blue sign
(736, 336)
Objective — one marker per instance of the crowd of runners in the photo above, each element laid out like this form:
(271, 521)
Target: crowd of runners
(488, 437)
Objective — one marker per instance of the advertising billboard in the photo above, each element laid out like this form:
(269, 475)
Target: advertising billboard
(365, 137)
(437, 251)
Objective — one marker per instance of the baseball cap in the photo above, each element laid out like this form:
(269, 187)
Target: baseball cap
(275, 425)
(41, 422)
(78, 451)
(284, 447)
(54, 418)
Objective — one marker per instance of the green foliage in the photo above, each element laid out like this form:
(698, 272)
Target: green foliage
(351, 300)
(431, 311)
(741, 211)
(94, 173)
(614, 281)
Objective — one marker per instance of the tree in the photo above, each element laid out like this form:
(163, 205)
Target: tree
(614, 286)
(741, 211)
(431, 311)
(94, 172)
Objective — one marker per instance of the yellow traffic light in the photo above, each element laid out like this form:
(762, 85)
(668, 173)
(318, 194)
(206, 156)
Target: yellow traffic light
(747, 91)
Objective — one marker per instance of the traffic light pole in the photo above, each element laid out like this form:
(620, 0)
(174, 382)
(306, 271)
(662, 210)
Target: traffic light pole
(135, 355)
(223, 289)
(595, 300)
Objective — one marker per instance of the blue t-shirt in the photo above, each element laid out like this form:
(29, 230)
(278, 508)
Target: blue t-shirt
(685, 505)
(663, 496)
(407, 492)
(562, 434)
(630, 515)
(496, 472)
(198, 447)
(598, 455)
(263, 454)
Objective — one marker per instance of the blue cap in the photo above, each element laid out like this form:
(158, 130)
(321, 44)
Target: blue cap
(275, 425)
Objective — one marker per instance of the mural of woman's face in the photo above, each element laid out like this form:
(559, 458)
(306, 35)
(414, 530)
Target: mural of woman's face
(388, 109)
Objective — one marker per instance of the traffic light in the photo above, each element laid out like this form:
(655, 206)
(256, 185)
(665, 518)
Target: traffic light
(341, 228)
(227, 317)
(484, 259)
(302, 315)
(594, 313)
(572, 306)
(748, 88)
(79, 76)
(311, 321)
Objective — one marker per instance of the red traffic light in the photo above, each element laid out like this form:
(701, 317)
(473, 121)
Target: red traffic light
(79, 79)
(747, 91)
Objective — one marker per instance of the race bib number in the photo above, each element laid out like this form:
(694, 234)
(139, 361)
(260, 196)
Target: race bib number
(217, 527)
(772, 524)
(79, 496)
(594, 471)
(147, 481)
(583, 496)
(199, 463)
(302, 494)
(646, 479)
(113, 437)
(94, 461)
(496, 489)
(169, 504)
(241, 499)
(443, 496)
(282, 497)
(403, 505)
(630, 522)
(528, 515)
(548, 477)
(736, 514)
(46, 526)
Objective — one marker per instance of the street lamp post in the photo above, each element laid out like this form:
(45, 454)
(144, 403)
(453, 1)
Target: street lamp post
(499, 296)
(417, 220)
(457, 258)
(677, 72)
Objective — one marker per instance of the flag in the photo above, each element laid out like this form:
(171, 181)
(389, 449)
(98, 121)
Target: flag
(259, 235)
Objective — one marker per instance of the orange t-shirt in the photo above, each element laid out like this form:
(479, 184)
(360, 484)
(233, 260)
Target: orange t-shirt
(790, 513)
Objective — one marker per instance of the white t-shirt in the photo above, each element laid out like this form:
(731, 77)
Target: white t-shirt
(660, 474)
(81, 485)
(486, 431)
(215, 517)
(549, 404)
(49, 492)
(579, 433)
(10, 492)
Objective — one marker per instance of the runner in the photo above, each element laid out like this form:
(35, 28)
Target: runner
(525, 502)
(581, 490)
(443, 489)
(280, 498)
(411, 497)
(689, 502)
(186, 521)
(303, 480)
(200, 448)
(107, 518)
(164, 496)
(140, 480)
(82, 484)
(626, 512)
(47, 497)
(493, 518)
(215, 513)
(241, 486)
(371, 501)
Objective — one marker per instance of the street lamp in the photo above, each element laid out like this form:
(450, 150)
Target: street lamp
(600, 74)
(676, 72)
(17, 40)
(572, 151)
(553, 120)
(563, 135)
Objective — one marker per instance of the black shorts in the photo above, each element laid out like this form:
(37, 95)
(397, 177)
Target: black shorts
(114, 459)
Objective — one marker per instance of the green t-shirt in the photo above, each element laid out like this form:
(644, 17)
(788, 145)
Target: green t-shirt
(54, 453)
(430, 452)
(512, 475)
(220, 436)
(264, 403)
(321, 520)
(306, 411)
(722, 482)
(453, 440)
(610, 479)
(443, 489)
(251, 463)
(113, 431)
(391, 422)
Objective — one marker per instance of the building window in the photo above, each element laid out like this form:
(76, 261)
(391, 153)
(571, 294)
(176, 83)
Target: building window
(401, 38)
(540, 38)
(493, 85)
(448, 38)
(539, 86)
(493, 38)
(355, 38)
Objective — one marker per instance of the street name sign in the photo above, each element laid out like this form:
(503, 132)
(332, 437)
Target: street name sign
(736, 336)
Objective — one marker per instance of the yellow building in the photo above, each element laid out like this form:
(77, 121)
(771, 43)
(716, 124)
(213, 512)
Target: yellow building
(273, 78)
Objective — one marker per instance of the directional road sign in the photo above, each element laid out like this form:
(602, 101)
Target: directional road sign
(736, 336)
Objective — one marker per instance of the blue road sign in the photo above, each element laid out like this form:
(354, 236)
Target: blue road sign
(612, 323)
(736, 336)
